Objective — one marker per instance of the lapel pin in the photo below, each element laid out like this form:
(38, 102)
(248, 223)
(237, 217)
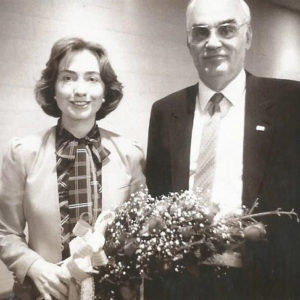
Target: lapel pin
(260, 128)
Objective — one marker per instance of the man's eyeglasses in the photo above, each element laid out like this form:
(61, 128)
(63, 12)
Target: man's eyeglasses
(199, 33)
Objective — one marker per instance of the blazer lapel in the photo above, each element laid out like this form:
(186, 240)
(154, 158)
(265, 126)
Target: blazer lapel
(115, 176)
(182, 115)
(257, 138)
(42, 201)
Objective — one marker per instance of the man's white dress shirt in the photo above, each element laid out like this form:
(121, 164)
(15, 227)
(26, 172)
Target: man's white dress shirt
(228, 185)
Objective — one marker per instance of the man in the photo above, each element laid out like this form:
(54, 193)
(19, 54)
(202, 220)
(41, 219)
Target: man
(241, 147)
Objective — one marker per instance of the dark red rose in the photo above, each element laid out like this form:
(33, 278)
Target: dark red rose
(156, 224)
(130, 247)
(255, 232)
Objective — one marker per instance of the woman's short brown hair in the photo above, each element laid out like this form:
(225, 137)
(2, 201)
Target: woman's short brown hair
(45, 86)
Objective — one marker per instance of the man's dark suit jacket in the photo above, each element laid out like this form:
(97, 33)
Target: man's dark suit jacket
(271, 169)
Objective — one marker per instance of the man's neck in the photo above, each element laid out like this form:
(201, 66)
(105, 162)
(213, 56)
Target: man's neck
(217, 83)
(233, 91)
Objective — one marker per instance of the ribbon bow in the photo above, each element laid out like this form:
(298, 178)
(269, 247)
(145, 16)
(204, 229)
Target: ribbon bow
(86, 253)
(68, 149)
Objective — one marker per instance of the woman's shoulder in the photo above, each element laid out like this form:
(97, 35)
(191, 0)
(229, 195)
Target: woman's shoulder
(28, 145)
(115, 141)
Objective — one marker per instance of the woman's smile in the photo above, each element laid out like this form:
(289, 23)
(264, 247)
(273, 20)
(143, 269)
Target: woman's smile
(80, 104)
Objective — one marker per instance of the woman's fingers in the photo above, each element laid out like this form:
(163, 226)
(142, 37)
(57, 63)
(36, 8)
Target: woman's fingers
(49, 280)
(54, 293)
(65, 278)
(46, 296)
(59, 287)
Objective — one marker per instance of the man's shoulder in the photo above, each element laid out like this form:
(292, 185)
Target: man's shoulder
(275, 85)
(282, 92)
(179, 96)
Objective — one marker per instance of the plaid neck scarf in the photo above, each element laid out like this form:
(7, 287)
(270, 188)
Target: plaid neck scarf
(79, 166)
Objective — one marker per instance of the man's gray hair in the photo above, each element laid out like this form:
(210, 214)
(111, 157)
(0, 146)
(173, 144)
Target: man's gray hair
(246, 10)
(244, 5)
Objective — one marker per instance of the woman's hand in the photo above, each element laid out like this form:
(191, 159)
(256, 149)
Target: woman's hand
(50, 280)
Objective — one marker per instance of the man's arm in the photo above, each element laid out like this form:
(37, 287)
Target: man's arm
(158, 159)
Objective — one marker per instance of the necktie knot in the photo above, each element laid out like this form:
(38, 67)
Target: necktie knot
(214, 103)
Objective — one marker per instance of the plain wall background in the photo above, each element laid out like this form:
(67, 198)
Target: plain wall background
(146, 43)
(145, 40)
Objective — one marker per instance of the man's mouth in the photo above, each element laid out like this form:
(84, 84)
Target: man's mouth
(215, 56)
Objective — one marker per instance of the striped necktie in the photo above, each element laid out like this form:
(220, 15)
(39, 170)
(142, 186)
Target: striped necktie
(204, 176)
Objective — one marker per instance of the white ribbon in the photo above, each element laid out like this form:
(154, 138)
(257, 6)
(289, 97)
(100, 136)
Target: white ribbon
(86, 253)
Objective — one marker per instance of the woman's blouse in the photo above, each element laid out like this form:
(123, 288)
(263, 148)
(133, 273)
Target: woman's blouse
(79, 165)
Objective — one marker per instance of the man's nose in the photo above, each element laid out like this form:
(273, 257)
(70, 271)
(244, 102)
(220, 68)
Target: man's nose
(213, 41)
(80, 88)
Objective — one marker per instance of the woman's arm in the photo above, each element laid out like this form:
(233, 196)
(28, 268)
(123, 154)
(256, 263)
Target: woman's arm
(136, 164)
(14, 250)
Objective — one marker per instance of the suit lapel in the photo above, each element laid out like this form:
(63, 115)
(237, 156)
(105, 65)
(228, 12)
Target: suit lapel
(257, 137)
(182, 116)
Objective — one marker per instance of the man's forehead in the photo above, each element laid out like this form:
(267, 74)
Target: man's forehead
(214, 11)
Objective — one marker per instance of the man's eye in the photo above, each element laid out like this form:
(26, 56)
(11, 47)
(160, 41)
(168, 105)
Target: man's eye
(227, 31)
(200, 33)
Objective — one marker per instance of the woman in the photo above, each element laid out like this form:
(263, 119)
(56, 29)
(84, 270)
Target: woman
(71, 171)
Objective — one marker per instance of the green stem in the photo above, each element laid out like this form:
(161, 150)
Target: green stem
(269, 213)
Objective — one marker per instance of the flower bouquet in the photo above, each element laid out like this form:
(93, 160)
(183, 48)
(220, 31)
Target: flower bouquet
(150, 235)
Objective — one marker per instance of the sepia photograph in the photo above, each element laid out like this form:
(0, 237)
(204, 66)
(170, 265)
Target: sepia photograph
(150, 149)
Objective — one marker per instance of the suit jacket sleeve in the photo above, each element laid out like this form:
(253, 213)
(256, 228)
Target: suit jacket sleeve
(158, 159)
(14, 250)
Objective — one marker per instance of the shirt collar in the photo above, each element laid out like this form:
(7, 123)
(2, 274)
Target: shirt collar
(233, 92)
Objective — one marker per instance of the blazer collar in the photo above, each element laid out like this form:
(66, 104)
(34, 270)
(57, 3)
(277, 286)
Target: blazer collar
(182, 116)
(185, 104)
(258, 134)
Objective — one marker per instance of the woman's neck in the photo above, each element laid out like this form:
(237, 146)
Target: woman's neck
(78, 128)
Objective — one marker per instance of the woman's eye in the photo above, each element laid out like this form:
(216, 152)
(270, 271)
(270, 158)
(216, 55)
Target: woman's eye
(67, 78)
(93, 79)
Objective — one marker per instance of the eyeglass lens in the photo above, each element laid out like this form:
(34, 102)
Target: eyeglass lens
(226, 31)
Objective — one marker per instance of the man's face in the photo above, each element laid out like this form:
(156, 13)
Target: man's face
(218, 54)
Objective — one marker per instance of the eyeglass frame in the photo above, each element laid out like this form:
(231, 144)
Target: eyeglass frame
(210, 27)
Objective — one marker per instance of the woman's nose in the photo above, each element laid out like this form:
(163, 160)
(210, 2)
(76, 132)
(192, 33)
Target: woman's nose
(80, 88)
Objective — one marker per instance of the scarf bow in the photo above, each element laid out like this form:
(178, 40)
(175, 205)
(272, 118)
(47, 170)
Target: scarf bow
(68, 149)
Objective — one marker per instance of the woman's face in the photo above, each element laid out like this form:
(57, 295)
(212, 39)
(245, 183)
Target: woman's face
(79, 89)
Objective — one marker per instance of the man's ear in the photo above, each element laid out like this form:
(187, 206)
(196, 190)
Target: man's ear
(187, 42)
(249, 37)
